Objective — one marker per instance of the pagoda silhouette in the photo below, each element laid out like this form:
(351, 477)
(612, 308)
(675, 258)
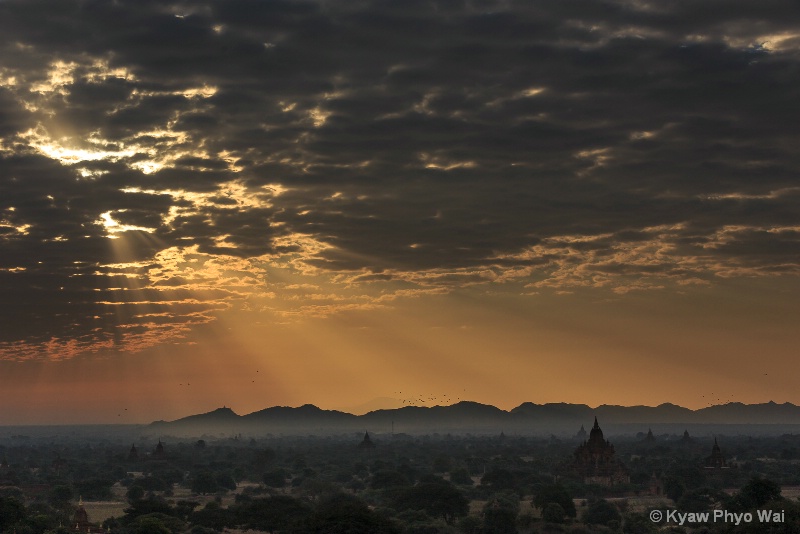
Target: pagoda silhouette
(366, 443)
(595, 461)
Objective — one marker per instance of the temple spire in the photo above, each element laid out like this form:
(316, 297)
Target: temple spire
(367, 442)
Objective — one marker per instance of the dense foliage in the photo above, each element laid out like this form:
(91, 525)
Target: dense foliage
(405, 485)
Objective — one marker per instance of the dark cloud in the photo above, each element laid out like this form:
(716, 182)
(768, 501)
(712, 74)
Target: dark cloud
(156, 152)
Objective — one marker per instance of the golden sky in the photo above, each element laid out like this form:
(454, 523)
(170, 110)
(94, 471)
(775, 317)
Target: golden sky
(257, 204)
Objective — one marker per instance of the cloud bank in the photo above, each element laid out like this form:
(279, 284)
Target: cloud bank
(163, 162)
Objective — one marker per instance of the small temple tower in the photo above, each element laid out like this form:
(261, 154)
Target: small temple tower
(81, 518)
(717, 459)
(366, 443)
(656, 486)
(159, 453)
(80, 521)
(133, 455)
(581, 435)
(649, 438)
(596, 463)
(686, 439)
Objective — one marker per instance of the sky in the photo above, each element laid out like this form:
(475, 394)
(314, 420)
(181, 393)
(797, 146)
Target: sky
(376, 203)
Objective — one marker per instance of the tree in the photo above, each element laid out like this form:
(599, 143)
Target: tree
(498, 479)
(262, 458)
(346, 514)
(152, 484)
(238, 474)
(226, 481)
(174, 524)
(151, 505)
(183, 508)
(441, 464)
(557, 494)
(682, 477)
(470, 525)
(756, 493)
(673, 487)
(500, 514)
(275, 478)
(553, 513)
(94, 488)
(388, 479)
(204, 483)
(356, 485)
(314, 488)
(280, 512)
(602, 512)
(149, 525)
(170, 475)
(461, 476)
(791, 518)
(638, 524)
(438, 499)
(60, 495)
(11, 511)
(135, 493)
(39, 522)
(213, 516)
(698, 500)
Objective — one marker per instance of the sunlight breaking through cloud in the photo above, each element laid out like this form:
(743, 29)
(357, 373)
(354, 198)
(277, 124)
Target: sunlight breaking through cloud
(175, 165)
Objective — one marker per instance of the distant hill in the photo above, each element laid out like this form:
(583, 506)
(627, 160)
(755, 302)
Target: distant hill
(473, 417)
(222, 420)
(736, 412)
(378, 403)
(306, 416)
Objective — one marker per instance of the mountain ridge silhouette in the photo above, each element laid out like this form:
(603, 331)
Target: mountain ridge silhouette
(469, 416)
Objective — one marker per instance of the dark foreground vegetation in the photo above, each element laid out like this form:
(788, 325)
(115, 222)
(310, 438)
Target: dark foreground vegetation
(403, 484)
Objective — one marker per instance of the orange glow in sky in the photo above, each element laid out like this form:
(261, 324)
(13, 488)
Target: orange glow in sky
(202, 207)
